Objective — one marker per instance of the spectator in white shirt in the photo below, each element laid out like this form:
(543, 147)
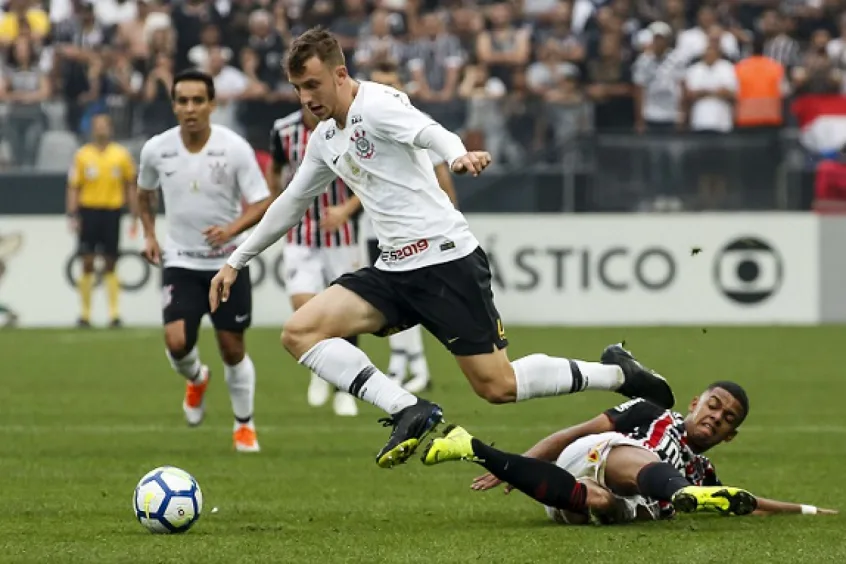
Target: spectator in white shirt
(710, 86)
(692, 43)
(836, 50)
(229, 83)
(115, 12)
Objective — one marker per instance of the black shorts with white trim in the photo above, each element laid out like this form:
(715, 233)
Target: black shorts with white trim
(452, 300)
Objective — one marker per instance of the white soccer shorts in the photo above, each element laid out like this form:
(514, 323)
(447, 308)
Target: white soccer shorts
(586, 458)
(310, 270)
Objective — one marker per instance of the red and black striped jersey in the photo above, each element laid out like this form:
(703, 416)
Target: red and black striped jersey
(288, 141)
(662, 431)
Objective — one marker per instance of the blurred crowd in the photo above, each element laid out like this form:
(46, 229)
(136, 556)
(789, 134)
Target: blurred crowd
(516, 75)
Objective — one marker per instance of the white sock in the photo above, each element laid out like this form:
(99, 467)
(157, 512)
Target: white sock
(399, 357)
(241, 379)
(539, 375)
(189, 365)
(417, 364)
(347, 367)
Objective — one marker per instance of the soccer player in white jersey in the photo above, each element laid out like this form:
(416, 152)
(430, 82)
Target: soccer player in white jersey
(322, 246)
(407, 354)
(431, 271)
(203, 171)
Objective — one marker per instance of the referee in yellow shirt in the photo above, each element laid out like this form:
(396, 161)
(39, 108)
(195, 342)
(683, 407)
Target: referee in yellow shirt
(100, 183)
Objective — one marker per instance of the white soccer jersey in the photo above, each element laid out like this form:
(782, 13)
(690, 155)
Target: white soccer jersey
(375, 155)
(365, 224)
(200, 190)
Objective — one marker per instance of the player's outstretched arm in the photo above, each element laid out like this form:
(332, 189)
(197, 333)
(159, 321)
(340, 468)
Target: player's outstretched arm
(311, 179)
(446, 183)
(398, 119)
(449, 146)
(549, 448)
(283, 213)
(772, 506)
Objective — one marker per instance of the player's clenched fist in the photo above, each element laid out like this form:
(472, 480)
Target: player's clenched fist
(474, 162)
(220, 286)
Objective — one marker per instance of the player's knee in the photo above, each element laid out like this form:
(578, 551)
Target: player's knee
(598, 498)
(298, 337)
(176, 344)
(495, 391)
(232, 352)
(492, 385)
(180, 339)
(232, 357)
(88, 264)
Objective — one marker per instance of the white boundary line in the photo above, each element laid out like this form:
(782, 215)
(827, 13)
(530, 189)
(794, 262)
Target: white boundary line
(343, 427)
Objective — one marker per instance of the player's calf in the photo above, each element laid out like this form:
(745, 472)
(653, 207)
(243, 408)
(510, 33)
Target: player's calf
(600, 504)
(185, 360)
(541, 480)
(491, 376)
(496, 379)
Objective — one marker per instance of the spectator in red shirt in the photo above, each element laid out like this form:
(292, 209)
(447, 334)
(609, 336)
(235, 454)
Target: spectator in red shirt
(830, 187)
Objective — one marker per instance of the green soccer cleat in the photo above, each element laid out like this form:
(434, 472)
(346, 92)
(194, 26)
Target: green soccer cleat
(722, 499)
(456, 444)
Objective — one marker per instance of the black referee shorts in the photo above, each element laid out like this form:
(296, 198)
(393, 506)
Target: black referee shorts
(453, 301)
(99, 231)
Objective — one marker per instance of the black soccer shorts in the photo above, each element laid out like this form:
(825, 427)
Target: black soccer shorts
(185, 296)
(99, 231)
(453, 301)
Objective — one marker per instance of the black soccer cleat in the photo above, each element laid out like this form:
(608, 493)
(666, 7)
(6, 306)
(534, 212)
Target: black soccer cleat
(640, 381)
(411, 425)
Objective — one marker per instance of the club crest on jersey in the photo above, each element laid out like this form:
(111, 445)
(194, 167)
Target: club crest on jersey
(330, 134)
(363, 146)
(218, 172)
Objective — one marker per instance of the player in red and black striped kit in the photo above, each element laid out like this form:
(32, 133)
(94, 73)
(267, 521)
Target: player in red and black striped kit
(323, 245)
(637, 461)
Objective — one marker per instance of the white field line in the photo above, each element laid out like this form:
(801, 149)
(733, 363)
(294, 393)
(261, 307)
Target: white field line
(75, 337)
(343, 428)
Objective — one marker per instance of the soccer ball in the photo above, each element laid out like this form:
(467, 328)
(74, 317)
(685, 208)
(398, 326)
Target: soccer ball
(167, 500)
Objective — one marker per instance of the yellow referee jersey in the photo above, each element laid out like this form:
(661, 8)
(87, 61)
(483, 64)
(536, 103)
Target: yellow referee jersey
(101, 176)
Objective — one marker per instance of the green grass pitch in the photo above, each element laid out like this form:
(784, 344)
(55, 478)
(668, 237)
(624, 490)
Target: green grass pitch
(85, 414)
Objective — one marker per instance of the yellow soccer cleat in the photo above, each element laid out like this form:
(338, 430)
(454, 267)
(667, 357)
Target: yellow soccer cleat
(722, 499)
(456, 444)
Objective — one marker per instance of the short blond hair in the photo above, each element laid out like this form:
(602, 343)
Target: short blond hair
(316, 42)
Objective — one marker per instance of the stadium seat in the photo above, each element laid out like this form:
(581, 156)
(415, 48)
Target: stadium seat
(134, 146)
(5, 153)
(56, 151)
(55, 112)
